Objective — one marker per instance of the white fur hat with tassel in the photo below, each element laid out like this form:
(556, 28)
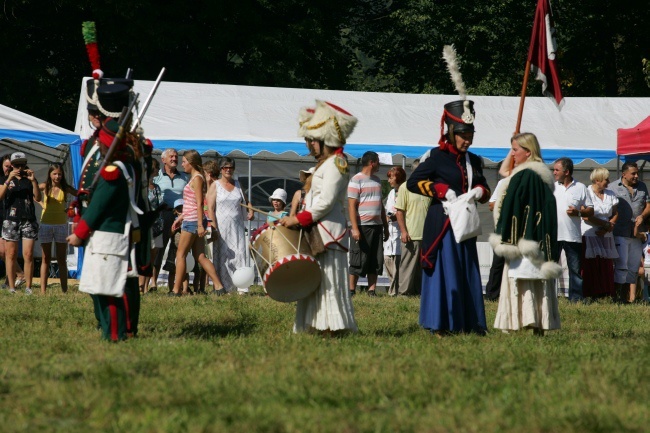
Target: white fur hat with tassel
(330, 124)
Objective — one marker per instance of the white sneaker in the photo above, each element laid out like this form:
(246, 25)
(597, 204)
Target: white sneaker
(19, 282)
(12, 291)
(28, 291)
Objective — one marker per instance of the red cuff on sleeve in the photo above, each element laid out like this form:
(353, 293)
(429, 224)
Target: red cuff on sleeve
(304, 218)
(82, 231)
(83, 148)
(441, 190)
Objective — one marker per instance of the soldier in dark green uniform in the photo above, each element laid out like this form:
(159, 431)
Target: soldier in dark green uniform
(114, 222)
(92, 157)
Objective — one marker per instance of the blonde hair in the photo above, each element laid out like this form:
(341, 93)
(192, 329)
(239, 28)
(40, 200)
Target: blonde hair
(528, 141)
(194, 159)
(598, 174)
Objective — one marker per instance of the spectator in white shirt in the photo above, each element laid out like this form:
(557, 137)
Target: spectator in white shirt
(573, 202)
(598, 238)
(392, 251)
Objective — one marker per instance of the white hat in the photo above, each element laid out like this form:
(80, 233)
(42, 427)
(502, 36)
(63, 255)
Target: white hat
(304, 116)
(330, 124)
(279, 194)
(18, 158)
(178, 202)
(304, 174)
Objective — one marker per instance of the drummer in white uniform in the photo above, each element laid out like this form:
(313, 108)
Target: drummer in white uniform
(329, 309)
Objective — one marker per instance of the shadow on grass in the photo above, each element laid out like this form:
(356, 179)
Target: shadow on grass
(212, 330)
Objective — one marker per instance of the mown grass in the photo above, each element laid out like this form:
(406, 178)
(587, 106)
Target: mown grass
(231, 364)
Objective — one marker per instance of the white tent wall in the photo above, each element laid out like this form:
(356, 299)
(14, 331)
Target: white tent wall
(19, 126)
(260, 124)
(226, 118)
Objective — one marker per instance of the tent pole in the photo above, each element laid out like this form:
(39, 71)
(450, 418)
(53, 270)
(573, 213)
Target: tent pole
(618, 166)
(250, 188)
(404, 162)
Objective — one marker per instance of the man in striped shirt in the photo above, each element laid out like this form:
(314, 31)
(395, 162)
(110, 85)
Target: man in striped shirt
(369, 224)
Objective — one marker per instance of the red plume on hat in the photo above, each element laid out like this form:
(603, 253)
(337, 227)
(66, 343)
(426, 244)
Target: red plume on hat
(90, 38)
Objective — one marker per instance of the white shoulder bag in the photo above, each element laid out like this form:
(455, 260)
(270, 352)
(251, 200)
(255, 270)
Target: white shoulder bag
(462, 212)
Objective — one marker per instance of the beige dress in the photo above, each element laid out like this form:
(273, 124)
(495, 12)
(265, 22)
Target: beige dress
(529, 302)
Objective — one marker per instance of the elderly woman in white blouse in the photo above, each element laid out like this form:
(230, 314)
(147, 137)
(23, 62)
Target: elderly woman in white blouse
(392, 253)
(598, 244)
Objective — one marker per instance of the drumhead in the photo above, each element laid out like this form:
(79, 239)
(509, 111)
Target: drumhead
(293, 278)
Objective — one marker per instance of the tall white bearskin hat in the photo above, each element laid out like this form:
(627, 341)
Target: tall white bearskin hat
(304, 116)
(330, 124)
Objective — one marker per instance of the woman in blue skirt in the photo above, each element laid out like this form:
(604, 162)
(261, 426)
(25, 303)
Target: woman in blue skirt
(452, 296)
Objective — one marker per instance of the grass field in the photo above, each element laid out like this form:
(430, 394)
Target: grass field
(231, 364)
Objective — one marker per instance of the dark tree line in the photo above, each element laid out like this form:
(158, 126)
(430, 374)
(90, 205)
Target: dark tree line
(371, 45)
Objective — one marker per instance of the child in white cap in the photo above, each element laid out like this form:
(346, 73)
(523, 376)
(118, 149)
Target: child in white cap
(279, 201)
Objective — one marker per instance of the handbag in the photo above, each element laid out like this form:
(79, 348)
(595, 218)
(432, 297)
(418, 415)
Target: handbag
(158, 224)
(463, 214)
(314, 239)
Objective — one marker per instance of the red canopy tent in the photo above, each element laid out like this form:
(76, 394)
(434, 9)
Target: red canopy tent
(634, 141)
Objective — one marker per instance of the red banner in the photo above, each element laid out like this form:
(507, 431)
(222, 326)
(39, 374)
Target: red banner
(541, 53)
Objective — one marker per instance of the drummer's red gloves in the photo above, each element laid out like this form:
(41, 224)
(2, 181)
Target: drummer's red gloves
(304, 218)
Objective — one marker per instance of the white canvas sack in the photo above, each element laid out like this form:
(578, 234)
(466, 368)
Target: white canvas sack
(106, 261)
(105, 264)
(462, 212)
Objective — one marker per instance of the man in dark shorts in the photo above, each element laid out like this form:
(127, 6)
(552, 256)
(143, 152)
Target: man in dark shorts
(369, 224)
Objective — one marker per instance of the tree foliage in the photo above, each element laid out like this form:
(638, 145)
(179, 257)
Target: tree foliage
(372, 45)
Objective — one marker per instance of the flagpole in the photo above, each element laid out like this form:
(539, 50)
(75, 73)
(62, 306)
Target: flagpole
(523, 97)
(509, 160)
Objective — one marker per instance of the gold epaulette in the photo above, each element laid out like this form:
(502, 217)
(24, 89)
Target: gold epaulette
(341, 163)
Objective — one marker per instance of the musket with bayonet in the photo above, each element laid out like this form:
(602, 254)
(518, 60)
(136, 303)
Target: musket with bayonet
(147, 101)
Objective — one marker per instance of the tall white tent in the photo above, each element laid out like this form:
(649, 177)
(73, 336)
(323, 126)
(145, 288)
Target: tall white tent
(252, 120)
